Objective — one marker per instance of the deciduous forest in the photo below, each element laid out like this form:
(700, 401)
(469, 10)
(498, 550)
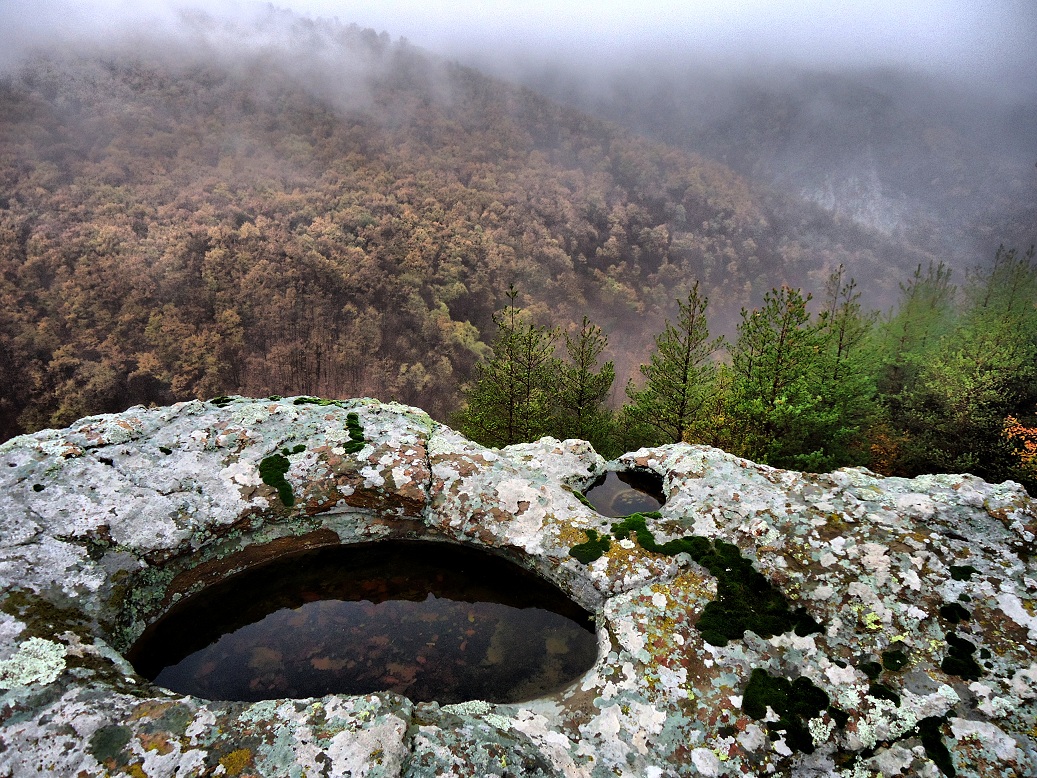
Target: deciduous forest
(371, 220)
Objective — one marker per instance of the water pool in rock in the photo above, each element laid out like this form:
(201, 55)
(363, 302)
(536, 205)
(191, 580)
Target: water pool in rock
(429, 620)
(620, 494)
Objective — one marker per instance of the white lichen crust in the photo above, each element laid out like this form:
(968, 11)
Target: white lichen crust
(107, 523)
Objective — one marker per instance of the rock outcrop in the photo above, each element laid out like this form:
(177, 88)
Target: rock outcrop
(764, 622)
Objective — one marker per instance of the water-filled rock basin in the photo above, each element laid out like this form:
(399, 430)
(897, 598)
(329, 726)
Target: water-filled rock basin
(619, 494)
(429, 620)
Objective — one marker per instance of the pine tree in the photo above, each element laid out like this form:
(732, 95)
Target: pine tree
(582, 389)
(511, 398)
(679, 378)
(908, 337)
(846, 381)
(774, 400)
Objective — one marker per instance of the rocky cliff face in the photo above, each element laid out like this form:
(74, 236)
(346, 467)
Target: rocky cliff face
(764, 622)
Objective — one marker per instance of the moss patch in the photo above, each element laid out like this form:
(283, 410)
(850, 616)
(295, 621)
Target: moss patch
(959, 659)
(932, 741)
(593, 549)
(314, 401)
(694, 545)
(894, 659)
(794, 702)
(272, 470)
(953, 612)
(745, 599)
(871, 669)
(882, 692)
(356, 434)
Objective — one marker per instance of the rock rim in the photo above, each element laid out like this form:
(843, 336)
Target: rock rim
(922, 592)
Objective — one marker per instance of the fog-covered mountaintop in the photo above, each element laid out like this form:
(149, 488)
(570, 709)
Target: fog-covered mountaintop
(277, 204)
(939, 162)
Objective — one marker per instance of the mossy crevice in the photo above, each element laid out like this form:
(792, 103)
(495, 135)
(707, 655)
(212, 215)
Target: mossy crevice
(582, 498)
(745, 598)
(929, 732)
(962, 572)
(959, 660)
(894, 659)
(794, 702)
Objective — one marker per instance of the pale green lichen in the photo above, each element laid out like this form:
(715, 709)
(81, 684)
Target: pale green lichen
(469, 708)
(37, 661)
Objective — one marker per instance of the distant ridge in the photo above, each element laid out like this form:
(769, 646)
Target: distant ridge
(310, 207)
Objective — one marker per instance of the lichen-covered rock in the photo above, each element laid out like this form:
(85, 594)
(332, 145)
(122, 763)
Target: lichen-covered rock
(891, 622)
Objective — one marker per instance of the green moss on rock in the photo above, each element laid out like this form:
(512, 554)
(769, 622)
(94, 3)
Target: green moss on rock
(882, 692)
(593, 549)
(954, 613)
(894, 659)
(272, 470)
(745, 598)
(582, 498)
(959, 659)
(871, 669)
(356, 434)
(932, 741)
(315, 401)
(794, 702)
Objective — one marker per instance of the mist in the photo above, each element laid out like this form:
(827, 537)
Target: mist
(899, 117)
(984, 44)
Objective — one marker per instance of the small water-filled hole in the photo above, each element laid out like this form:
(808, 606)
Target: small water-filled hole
(430, 620)
(620, 494)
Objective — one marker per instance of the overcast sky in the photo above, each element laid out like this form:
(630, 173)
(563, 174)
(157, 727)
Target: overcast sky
(990, 41)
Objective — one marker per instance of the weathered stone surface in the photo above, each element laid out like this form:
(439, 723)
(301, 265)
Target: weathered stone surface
(104, 525)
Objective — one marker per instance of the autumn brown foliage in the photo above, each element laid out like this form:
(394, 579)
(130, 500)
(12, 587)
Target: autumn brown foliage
(175, 228)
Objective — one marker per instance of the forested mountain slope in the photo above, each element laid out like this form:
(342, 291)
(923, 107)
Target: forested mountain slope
(936, 161)
(331, 212)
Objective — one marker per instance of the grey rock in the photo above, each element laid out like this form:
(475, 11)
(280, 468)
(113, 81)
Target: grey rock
(106, 524)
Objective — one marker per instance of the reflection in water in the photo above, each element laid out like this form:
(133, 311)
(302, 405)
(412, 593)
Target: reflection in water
(430, 621)
(620, 494)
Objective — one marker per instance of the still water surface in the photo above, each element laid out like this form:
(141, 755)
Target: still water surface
(620, 494)
(427, 620)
